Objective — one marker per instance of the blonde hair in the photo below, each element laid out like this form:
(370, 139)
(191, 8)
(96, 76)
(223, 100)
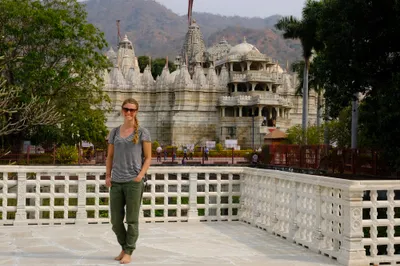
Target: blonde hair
(133, 101)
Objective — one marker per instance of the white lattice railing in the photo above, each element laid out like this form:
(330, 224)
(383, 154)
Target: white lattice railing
(356, 222)
(61, 195)
(323, 214)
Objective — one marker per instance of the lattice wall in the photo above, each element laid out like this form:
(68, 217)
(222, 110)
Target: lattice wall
(70, 195)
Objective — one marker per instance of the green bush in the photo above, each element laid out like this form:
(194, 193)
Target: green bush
(219, 147)
(41, 159)
(66, 155)
(154, 146)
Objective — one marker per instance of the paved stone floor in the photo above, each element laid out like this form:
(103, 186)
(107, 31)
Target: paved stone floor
(224, 243)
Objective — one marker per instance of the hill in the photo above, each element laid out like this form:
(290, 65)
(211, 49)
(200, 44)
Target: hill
(157, 31)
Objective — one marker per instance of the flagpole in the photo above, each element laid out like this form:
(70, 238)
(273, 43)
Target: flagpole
(190, 8)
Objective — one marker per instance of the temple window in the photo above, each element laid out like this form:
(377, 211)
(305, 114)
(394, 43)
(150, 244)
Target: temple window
(255, 66)
(259, 87)
(237, 67)
(242, 87)
(229, 112)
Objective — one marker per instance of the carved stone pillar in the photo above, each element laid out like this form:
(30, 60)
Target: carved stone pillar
(20, 216)
(253, 86)
(260, 111)
(81, 214)
(248, 65)
(352, 249)
(222, 111)
(264, 65)
(193, 213)
(231, 66)
(240, 111)
(235, 87)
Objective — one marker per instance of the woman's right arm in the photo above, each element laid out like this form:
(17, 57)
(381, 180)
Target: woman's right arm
(109, 162)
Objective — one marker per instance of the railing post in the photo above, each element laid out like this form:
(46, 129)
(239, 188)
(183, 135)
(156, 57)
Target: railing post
(193, 213)
(20, 215)
(274, 219)
(352, 250)
(293, 224)
(317, 235)
(81, 214)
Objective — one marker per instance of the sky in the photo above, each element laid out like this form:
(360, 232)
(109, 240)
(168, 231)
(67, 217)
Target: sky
(244, 8)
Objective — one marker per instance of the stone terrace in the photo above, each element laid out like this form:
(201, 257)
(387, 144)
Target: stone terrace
(200, 215)
(214, 243)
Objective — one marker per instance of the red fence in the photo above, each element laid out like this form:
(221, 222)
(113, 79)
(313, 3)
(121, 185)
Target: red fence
(327, 158)
(98, 157)
(48, 157)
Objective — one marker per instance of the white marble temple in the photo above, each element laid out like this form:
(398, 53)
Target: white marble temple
(212, 243)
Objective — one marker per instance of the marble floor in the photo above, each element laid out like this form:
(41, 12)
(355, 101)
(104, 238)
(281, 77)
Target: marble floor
(222, 243)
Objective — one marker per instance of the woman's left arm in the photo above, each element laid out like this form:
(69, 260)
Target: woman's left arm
(147, 160)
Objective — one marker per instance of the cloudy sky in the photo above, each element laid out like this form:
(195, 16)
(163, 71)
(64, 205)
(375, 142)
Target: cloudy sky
(246, 8)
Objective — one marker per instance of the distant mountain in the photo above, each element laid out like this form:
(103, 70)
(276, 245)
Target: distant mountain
(157, 31)
(266, 40)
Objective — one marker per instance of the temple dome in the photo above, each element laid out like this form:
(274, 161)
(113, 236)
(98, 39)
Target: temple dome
(242, 48)
(219, 50)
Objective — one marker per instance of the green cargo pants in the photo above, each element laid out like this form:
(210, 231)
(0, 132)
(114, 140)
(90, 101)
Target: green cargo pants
(126, 196)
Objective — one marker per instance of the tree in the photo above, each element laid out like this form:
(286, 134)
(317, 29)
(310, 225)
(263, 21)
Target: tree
(314, 83)
(313, 134)
(157, 65)
(32, 113)
(361, 55)
(59, 61)
(306, 31)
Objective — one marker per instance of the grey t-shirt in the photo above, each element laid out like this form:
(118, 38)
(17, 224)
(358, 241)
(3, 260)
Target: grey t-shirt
(128, 156)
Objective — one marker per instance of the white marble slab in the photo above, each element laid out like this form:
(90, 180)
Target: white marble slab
(222, 243)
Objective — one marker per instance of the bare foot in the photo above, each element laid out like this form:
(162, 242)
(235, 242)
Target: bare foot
(119, 257)
(125, 259)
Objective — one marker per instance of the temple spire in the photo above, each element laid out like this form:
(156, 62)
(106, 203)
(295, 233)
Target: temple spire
(190, 10)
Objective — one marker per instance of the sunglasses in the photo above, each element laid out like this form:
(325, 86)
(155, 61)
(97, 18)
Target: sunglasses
(129, 110)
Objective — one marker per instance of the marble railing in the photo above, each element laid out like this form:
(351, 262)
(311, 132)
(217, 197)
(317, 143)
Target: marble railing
(355, 222)
(61, 195)
(261, 98)
(256, 76)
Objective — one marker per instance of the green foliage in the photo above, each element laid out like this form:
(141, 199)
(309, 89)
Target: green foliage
(52, 53)
(155, 145)
(313, 134)
(157, 65)
(360, 55)
(379, 119)
(339, 129)
(304, 29)
(219, 147)
(67, 155)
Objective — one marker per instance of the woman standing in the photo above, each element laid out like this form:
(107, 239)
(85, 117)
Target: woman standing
(129, 157)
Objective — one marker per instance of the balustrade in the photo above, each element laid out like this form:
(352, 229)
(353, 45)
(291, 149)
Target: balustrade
(62, 195)
(355, 222)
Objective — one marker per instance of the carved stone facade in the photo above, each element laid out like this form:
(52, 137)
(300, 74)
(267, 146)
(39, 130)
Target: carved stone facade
(220, 93)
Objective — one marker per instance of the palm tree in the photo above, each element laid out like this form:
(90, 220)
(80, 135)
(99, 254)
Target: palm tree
(306, 31)
(314, 83)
